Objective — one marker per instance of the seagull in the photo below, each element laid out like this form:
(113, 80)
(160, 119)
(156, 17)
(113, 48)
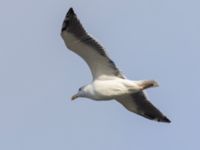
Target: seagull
(108, 82)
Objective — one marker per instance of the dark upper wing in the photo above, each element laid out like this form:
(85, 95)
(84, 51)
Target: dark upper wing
(77, 40)
(139, 104)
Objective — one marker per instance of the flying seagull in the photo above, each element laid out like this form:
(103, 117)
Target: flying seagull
(108, 82)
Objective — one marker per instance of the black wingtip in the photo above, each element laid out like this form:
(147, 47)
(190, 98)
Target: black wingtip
(165, 119)
(70, 12)
(68, 16)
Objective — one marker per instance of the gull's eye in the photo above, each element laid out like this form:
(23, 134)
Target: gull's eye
(79, 89)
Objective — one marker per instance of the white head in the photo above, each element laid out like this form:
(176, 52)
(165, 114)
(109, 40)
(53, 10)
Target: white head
(81, 93)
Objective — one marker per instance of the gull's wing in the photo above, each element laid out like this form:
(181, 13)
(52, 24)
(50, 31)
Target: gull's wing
(78, 40)
(139, 104)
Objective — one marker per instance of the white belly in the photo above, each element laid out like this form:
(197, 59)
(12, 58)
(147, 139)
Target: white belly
(111, 89)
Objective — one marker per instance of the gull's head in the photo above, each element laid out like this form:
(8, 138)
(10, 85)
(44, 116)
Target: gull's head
(80, 93)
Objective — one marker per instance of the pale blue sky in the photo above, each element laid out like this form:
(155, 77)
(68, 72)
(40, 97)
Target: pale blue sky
(147, 40)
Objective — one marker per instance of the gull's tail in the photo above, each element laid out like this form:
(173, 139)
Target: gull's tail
(144, 84)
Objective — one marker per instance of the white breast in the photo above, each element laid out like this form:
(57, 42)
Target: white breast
(110, 89)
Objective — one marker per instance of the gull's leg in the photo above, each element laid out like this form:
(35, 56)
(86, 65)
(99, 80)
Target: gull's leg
(144, 84)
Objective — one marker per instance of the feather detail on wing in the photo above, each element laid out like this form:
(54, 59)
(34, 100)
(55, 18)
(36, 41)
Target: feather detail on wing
(138, 103)
(78, 41)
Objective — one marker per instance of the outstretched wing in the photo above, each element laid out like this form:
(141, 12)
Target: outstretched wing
(139, 104)
(80, 42)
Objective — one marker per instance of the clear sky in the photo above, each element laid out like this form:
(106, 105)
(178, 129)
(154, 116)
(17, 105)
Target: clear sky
(147, 40)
